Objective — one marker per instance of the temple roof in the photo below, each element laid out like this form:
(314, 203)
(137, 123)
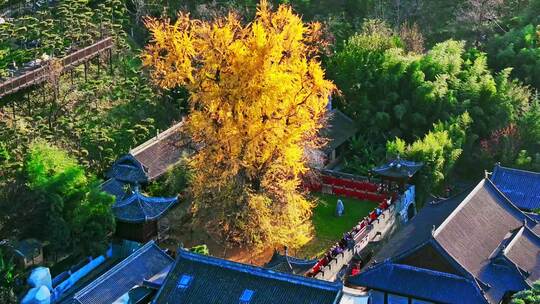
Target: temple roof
(289, 264)
(142, 264)
(153, 158)
(163, 151)
(398, 168)
(522, 187)
(27, 248)
(338, 130)
(524, 251)
(475, 229)
(129, 170)
(114, 187)
(200, 279)
(419, 230)
(465, 237)
(138, 208)
(419, 283)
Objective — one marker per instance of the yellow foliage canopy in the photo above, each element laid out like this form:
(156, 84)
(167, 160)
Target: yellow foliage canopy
(257, 98)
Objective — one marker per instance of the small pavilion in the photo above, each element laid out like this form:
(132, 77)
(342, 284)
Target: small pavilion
(289, 264)
(397, 172)
(137, 215)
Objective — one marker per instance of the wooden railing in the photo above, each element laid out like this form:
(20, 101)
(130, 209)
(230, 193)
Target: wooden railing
(68, 62)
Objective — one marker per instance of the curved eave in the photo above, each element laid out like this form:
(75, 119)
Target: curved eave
(137, 208)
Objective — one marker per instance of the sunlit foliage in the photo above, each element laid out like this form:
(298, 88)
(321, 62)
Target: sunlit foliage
(258, 97)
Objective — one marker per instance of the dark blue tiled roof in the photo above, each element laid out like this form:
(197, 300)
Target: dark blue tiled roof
(419, 230)
(142, 264)
(419, 283)
(399, 168)
(138, 208)
(521, 187)
(199, 279)
(128, 169)
(289, 264)
(114, 187)
(468, 231)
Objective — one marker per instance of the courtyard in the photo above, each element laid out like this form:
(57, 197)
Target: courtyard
(328, 228)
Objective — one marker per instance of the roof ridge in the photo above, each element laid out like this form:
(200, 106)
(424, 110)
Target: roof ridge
(420, 269)
(118, 266)
(389, 263)
(140, 148)
(336, 110)
(516, 169)
(259, 271)
(467, 199)
(140, 203)
(513, 240)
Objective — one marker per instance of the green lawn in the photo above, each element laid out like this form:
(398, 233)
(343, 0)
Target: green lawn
(329, 228)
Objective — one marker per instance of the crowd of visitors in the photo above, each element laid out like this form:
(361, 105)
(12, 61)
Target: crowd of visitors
(348, 240)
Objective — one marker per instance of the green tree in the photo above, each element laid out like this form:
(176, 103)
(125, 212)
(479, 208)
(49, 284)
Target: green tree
(439, 150)
(78, 213)
(7, 280)
(200, 249)
(530, 296)
(519, 47)
(391, 93)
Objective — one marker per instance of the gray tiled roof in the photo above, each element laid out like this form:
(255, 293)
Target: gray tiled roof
(524, 251)
(163, 151)
(465, 237)
(127, 169)
(419, 229)
(114, 187)
(474, 231)
(210, 280)
(142, 264)
(338, 130)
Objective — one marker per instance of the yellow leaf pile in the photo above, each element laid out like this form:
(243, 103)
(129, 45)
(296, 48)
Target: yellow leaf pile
(257, 99)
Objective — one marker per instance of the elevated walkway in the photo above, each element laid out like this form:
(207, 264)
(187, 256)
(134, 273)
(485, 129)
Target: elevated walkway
(40, 74)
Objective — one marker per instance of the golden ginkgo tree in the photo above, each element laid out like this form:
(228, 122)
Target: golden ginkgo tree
(257, 99)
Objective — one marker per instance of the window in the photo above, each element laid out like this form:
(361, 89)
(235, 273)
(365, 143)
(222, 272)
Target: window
(184, 281)
(246, 296)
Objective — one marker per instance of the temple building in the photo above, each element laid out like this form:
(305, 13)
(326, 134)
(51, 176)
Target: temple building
(397, 171)
(137, 215)
(476, 247)
(134, 279)
(520, 186)
(395, 178)
(339, 130)
(288, 264)
(200, 279)
(148, 161)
